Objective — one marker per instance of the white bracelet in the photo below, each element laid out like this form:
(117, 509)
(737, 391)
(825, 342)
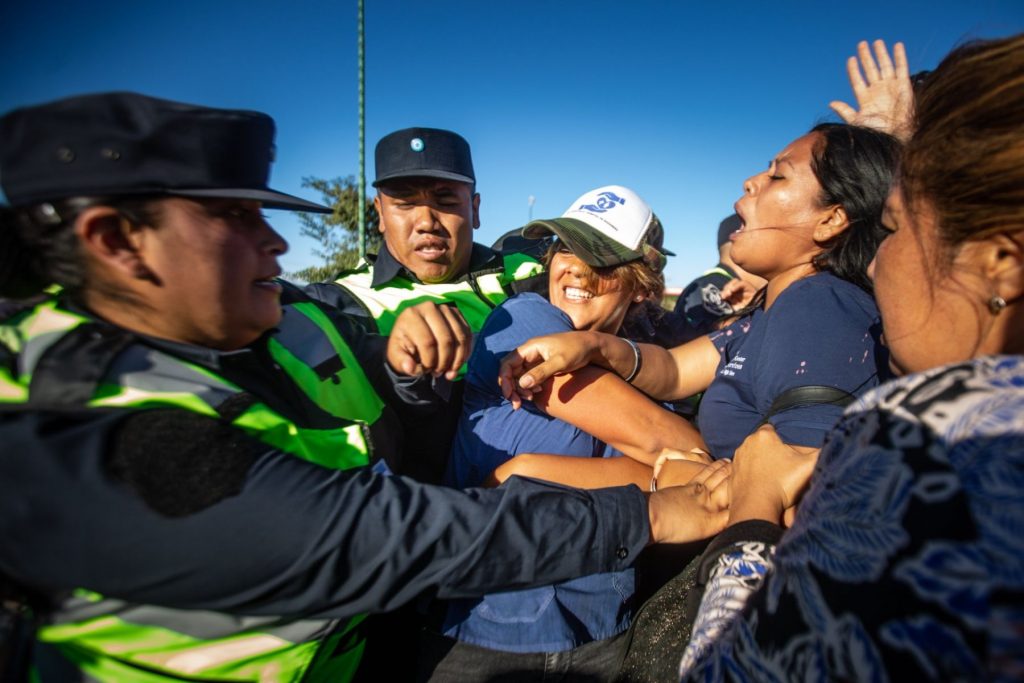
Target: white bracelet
(637, 361)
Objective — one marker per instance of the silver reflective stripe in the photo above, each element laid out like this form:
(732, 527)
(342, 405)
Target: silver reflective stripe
(199, 658)
(41, 330)
(198, 624)
(143, 369)
(34, 349)
(304, 339)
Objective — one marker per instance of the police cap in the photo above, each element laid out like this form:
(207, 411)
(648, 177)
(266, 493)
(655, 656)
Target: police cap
(423, 152)
(122, 143)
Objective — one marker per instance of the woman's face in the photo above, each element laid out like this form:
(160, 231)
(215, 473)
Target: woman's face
(215, 262)
(601, 308)
(779, 212)
(933, 312)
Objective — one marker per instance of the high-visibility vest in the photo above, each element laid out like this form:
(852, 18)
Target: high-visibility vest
(110, 640)
(475, 296)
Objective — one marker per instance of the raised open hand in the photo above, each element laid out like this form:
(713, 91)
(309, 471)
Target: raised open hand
(885, 96)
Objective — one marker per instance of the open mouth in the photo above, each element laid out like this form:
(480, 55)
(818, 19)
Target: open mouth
(431, 250)
(743, 222)
(577, 294)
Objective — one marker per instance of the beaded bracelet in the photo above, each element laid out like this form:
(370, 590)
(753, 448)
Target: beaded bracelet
(638, 359)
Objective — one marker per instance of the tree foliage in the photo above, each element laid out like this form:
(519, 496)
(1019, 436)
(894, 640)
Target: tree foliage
(336, 233)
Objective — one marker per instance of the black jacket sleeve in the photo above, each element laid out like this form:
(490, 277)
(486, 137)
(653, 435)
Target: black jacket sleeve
(271, 534)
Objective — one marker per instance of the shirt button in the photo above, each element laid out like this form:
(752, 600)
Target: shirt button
(622, 553)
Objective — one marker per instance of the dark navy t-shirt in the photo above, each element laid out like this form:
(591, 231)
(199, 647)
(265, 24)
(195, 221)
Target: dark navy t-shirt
(552, 618)
(820, 330)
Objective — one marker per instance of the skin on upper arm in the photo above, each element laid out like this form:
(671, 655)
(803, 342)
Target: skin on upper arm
(601, 404)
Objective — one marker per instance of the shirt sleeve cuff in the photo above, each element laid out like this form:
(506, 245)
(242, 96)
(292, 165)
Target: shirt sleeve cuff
(625, 524)
(753, 530)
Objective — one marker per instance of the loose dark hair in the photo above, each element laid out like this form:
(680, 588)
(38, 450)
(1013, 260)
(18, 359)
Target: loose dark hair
(855, 167)
(966, 157)
(39, 248)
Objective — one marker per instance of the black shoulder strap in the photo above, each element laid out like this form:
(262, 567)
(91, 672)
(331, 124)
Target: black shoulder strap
(809, 395)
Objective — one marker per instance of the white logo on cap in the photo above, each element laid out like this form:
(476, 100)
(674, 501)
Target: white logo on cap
(416, 144)
(615, 211)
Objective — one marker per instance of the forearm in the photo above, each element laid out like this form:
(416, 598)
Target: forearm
(640, 429)
(664, 374)
(295, 538)
(586, 473)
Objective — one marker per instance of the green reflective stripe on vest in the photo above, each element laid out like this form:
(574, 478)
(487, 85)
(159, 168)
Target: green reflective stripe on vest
(385, 303)
(142, 378)
(341, 448)
(355, 398)
(156, 655)
(475, 298)
(719, 271)
(11, 391)
(520, 267)
(106, 644)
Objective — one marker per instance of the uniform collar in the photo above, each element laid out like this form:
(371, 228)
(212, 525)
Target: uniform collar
(386, 267)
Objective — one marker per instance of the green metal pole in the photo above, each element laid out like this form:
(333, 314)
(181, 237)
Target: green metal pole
(362, 138)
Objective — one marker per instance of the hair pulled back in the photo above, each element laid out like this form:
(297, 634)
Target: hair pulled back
(855, 167)
(39, 247)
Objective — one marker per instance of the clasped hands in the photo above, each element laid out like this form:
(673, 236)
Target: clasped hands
(764, 480)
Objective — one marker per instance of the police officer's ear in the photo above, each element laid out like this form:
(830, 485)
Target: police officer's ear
(112, 241)
(476, 210)
(380, 213)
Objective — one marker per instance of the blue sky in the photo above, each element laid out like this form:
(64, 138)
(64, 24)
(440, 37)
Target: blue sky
(678, 100)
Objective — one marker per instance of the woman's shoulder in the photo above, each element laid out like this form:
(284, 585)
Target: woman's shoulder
(826, 300)
(825, 285)
(918, 495)
(514, 321)
(526, 313)
(967, 416)
(525, 301)
(982, 397)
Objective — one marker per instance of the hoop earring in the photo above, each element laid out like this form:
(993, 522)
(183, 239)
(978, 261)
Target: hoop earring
(996, 304)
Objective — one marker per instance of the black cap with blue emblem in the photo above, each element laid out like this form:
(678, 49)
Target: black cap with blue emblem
(423, 153)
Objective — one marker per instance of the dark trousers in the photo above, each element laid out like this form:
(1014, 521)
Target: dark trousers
(445, 660)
